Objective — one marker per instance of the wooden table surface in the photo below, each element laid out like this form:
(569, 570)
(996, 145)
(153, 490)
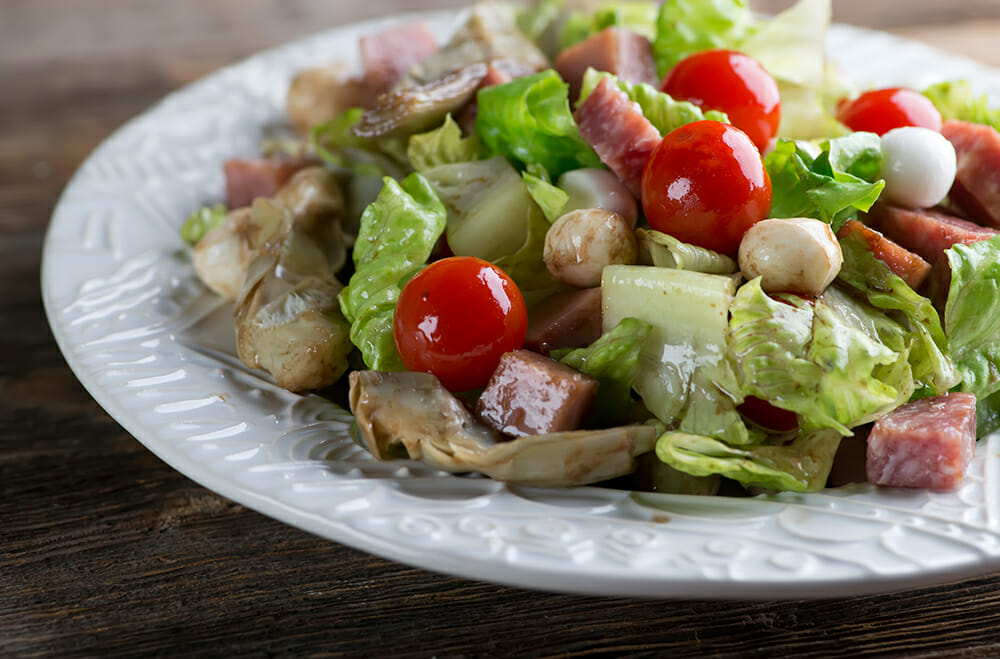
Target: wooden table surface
(105, 550)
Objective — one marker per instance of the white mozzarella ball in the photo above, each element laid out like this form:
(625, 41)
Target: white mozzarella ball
(795, 255)
(918, 165)
(598, 188)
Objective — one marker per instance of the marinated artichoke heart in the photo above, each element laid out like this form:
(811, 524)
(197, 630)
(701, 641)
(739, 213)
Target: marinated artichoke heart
(405, 414)
(288, 320)
(409, 110)
(487, 36)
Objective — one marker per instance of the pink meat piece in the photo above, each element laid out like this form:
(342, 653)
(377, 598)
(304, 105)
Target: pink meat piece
(495, 75)
(533, 395)
(926, 232)
(927, 443)
(571, 319)
(904, 263)
(249, 178)
(614, 126)
(625, 54)
(388, 55)
(976, 190)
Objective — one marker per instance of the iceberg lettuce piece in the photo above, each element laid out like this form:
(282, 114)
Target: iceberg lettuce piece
(665, 251)
(825, 187)
(614, 360)
(528, 121)
(660, 109)
(956, 99)
(972, 315)
(684, 27)
(398, 231)
(800, 466)
(492, 215)
(444, 145)
(933, 370)
(689, 315)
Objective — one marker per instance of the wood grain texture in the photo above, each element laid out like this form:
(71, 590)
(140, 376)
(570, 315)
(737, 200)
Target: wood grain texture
(106, 551)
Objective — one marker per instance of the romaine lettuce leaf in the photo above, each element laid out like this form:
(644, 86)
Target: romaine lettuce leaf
(933, 371)
(800, 466)
(825, 187)
(398, 232)
(660, 109)
(528, 121)
(687, 26)
(956, 99)
(633, 15)
(444, 145)
(614, 360)
(972, 315)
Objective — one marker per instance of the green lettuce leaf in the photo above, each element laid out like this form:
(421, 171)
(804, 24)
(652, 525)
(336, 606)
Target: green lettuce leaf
(633, 15)
(614, 360)
(550, 198)
(201, 222)
(660, 109)
(665, 251)
(972, 315)
(687, 26)
(528, 121)
(820, 360)
(398, 232)
(800, 466)
(825, 187)
(933, 371)
(444, 145)
(956, 99)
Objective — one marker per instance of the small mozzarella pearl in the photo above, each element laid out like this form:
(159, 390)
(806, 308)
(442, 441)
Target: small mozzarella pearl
(918, 165)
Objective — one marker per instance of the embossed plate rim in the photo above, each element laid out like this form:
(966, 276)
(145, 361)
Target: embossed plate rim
(128, 299)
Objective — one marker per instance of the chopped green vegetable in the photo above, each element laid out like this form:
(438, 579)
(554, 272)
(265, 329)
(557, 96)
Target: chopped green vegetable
(201, 222)
(956, 99)
(665, 251)
(528, 121)
(687, 26)
(972, 315)
(444, 145)
(398, 232)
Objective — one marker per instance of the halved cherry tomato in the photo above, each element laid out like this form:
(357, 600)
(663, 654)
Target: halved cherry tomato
(881, 110)
(456, 317)
(762, 413)
(706, 184)
(731, 82)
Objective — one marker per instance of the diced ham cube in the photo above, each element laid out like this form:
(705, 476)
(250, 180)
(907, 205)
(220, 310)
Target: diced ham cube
(249, 178)
(388, 55)
(926, 232)
(625, 54)
(927, 443)
(571, 319)
(532, 395)
(910, 267)
(976, 190)
(623, 138)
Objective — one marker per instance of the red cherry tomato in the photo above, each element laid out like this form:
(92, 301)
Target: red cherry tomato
(733, 83)
(455, 319)
(767, 416)
(706, 184)
(881, 110)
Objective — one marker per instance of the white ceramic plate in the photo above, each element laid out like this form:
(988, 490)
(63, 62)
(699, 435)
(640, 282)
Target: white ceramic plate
(155, 350)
